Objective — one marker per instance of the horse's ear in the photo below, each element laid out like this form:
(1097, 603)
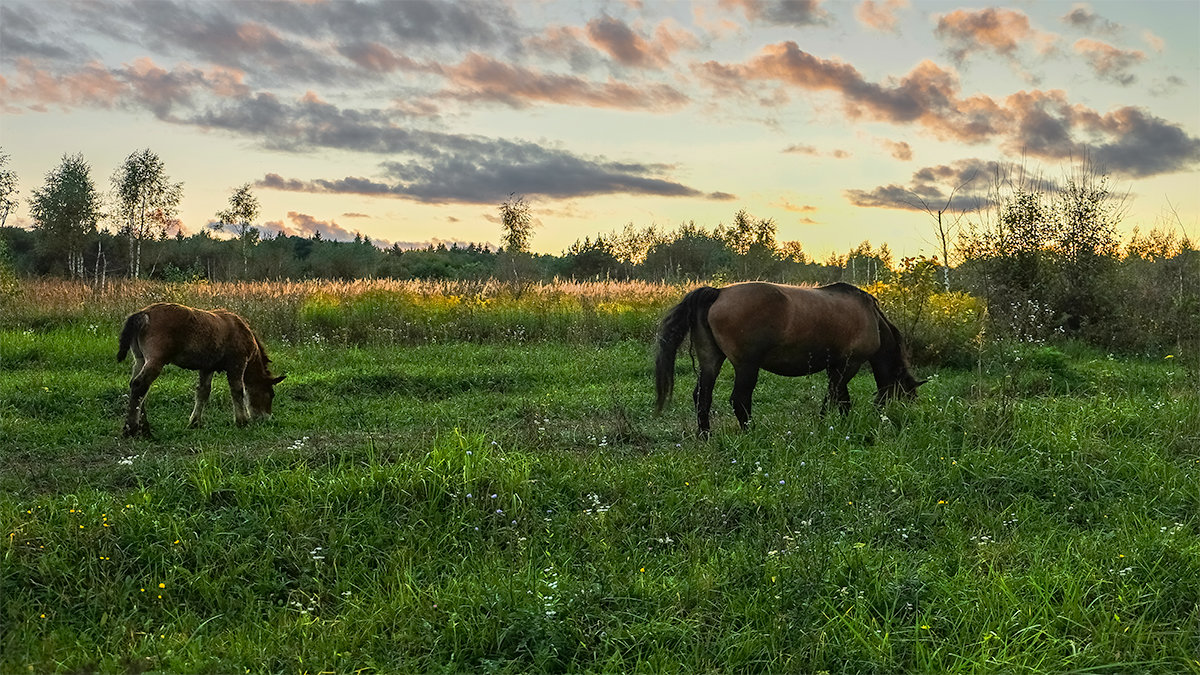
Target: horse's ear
(277, 380)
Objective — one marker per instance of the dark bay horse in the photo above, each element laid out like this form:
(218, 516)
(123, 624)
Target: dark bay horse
(786, 330)
(166, 333)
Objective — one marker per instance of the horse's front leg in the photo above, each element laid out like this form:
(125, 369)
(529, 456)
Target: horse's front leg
(745, 378)
(237, 391)
(144, 374)
(203, 389)
(840, 375)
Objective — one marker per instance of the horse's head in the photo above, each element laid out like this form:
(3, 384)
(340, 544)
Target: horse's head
(903, 387)
(260, 394)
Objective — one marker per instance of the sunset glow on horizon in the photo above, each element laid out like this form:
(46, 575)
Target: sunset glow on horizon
(410, 121)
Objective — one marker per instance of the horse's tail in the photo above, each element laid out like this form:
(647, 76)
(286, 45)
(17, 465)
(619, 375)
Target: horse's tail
(674, 328)
(133, 326)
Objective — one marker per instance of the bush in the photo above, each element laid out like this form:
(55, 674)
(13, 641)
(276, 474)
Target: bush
(940, 328)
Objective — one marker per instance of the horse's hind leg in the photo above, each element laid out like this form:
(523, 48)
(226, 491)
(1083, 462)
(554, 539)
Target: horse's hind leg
(703, 393)
(145, 372)
(745, 378)
(203, 389)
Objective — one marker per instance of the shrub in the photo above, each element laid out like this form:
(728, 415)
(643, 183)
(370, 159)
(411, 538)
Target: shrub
(942, 328)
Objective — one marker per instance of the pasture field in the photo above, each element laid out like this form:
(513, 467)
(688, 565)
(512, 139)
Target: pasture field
(472, 482)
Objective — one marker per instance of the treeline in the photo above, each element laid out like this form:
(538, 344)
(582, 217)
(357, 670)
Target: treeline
(745, 249)
(1044, 258)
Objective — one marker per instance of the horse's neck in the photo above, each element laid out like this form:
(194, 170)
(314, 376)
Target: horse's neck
(888, 363)
(256, 370)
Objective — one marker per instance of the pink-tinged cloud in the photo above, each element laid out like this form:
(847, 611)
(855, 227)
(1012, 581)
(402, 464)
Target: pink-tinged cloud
(1108, 62)
(304, 225)
(1041, 123)
(999, 31)
(377, 58)
(879, 16)
(142, 83)
(628, 48)
(93, 85)
(1153, 41)
(898, 149)
(480, 77)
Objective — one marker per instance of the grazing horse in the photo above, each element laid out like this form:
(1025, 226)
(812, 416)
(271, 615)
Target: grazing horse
(166, 333)
(786, 330)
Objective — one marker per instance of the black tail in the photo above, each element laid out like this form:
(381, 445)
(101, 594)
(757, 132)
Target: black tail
(133, 325)
(674, 328)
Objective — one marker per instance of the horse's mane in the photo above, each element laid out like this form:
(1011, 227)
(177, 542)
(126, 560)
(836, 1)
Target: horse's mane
(895, 332)
(262, 352)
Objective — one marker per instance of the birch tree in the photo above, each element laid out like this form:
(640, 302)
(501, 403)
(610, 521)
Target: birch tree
(240, 217)
(65, 211)
(147, 202)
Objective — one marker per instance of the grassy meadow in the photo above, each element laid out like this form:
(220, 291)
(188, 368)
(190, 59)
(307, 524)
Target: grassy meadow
(460, 478)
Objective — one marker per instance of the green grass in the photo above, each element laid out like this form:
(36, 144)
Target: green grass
(514, 506)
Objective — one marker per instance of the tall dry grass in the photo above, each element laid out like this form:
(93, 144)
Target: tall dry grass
(365, 310)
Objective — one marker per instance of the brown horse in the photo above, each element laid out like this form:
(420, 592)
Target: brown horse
(786, 330)
(166, 333)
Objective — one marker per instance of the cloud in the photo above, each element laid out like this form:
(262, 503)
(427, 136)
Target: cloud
(879, 16)
(1108, 62)
(24, 34)
(1082, 17)
(375, 57)
(780, 12)
(482, 78)
(141, 84)
(435, 242)
(998, 31)
(794, 208)
(899, 149)
(1153, 41)
(933, 185)
(813, 151)
(274, 42)
(623, 45)
(1041, 123)
(304, 225)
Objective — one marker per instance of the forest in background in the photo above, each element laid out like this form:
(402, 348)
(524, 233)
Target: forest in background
(1042, 258)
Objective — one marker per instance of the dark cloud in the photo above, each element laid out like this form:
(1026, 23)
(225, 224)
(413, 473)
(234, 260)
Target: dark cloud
(24, 34)
(1082, 17)
(441, 168)
(780, 12)
(1142, 144)
(277, 42)
(933, 186)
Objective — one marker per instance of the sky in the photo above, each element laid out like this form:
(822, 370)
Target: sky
(410, 121)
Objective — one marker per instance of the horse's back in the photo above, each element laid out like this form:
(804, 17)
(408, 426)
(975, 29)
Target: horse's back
(793, 329)
(196, 339)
